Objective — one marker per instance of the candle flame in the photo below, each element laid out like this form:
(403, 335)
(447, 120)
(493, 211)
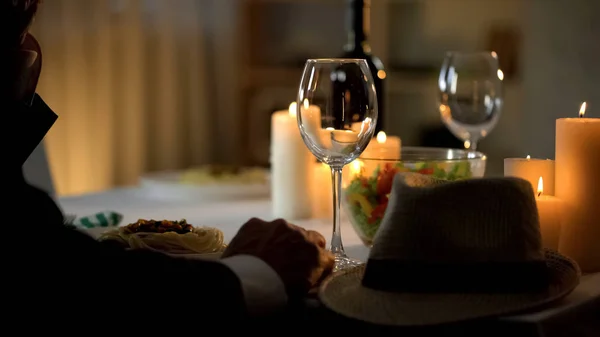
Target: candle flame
(582, 109)
(500, 74)
(381, 137)
(540, 188)
(528, 157)
(356, 167)
(292, 109)
(305, 104)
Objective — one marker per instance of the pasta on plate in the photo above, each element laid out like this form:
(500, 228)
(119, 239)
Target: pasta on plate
(171, 237)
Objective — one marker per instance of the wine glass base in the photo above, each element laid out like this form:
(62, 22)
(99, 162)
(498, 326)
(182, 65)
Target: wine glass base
(344, 262)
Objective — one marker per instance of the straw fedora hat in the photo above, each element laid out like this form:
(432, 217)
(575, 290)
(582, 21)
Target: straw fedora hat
(452, 251)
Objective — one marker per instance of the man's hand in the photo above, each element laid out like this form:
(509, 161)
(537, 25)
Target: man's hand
(298, 256)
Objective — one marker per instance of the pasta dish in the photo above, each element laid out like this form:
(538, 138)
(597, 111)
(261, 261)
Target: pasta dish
(171, 237)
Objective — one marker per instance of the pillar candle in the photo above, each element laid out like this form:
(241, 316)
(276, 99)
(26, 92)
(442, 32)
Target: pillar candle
(578, 186)
(383, 147)
(322, 188)
(355, 169)
(291, 165)
(531, 169)
(337, 140)
(549, 210)
(311, 115)
(321, 192)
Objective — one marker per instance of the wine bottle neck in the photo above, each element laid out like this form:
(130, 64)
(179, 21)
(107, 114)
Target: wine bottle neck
(358, 25)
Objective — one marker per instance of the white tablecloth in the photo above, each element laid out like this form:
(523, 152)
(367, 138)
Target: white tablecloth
(228, 216)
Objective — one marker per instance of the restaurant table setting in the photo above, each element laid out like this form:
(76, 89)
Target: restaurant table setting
(420, 237)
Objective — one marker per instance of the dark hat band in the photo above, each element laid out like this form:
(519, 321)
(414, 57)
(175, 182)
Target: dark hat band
(492, 277)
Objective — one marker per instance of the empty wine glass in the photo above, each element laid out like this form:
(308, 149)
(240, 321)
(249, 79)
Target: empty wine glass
(337, 112)
(470, 95)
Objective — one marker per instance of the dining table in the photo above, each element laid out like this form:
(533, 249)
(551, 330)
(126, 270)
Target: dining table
(135, 203)
(228, 215)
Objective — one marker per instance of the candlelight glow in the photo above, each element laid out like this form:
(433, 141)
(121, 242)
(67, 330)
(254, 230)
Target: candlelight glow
(500, 74)
(540, 188)
(381, 137)
(528, 157)
(445, 112)
(292, 109)
(582, 109)
(305, 104)
(356, 167)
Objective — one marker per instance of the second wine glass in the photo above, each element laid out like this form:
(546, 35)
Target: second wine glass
(470, 87)
(341, 129)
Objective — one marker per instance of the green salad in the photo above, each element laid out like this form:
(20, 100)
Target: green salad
(366, 197)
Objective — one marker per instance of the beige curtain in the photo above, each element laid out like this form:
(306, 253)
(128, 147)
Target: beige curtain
(128, 79)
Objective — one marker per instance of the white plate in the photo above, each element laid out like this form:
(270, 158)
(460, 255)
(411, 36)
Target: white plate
(168, 186)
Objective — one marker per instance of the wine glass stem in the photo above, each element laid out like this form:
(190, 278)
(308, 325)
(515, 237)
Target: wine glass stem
(337, 248)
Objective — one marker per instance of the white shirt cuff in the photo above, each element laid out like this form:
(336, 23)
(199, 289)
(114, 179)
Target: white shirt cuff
(263, 289)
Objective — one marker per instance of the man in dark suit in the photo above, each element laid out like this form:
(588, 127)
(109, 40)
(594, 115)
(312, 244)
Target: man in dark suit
(62, 278)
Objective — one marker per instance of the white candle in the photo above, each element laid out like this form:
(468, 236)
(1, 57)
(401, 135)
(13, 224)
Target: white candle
(352, 171)
(549, 210)
(291, 164)
(337, 140)
(321, 191)
(578, 186)
(531, 169)
(383, 147)
(311, 116)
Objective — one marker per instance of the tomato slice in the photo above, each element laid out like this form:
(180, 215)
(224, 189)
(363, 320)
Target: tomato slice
(385, 181)
(378, 212)
(426, 171)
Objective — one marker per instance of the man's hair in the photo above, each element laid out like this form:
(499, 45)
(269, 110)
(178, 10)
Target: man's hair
(16, 17)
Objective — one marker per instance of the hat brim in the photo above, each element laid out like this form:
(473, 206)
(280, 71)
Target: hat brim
(344, 294)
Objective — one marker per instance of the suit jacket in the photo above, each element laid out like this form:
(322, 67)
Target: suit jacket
(66, 278)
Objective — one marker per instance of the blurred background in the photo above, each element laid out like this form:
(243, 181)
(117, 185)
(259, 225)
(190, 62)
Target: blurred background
(150, 85)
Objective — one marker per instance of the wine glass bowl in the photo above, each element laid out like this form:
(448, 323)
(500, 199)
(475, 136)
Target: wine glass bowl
(336, 111)
(470, 95)
(368, 181)
(344, 92)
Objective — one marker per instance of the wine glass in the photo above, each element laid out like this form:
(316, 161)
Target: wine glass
(337, 113)
(470, 95)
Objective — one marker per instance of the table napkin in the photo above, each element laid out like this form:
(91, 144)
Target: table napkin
(101, 219)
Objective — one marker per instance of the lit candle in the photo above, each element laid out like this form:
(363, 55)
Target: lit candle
(383, 147)
(321, 191)
(291, 164)
(352, 171)
(578, 186)
(531, 169)
(356, 127)
(336, 140)
(549, 210)
(311, 115)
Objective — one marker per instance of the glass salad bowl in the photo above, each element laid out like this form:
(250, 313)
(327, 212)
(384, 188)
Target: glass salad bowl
(368, 181)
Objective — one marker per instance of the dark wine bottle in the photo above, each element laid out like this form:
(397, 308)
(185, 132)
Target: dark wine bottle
(358, 28)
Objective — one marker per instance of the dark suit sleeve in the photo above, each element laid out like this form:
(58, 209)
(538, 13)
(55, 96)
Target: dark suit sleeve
(66, 268)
